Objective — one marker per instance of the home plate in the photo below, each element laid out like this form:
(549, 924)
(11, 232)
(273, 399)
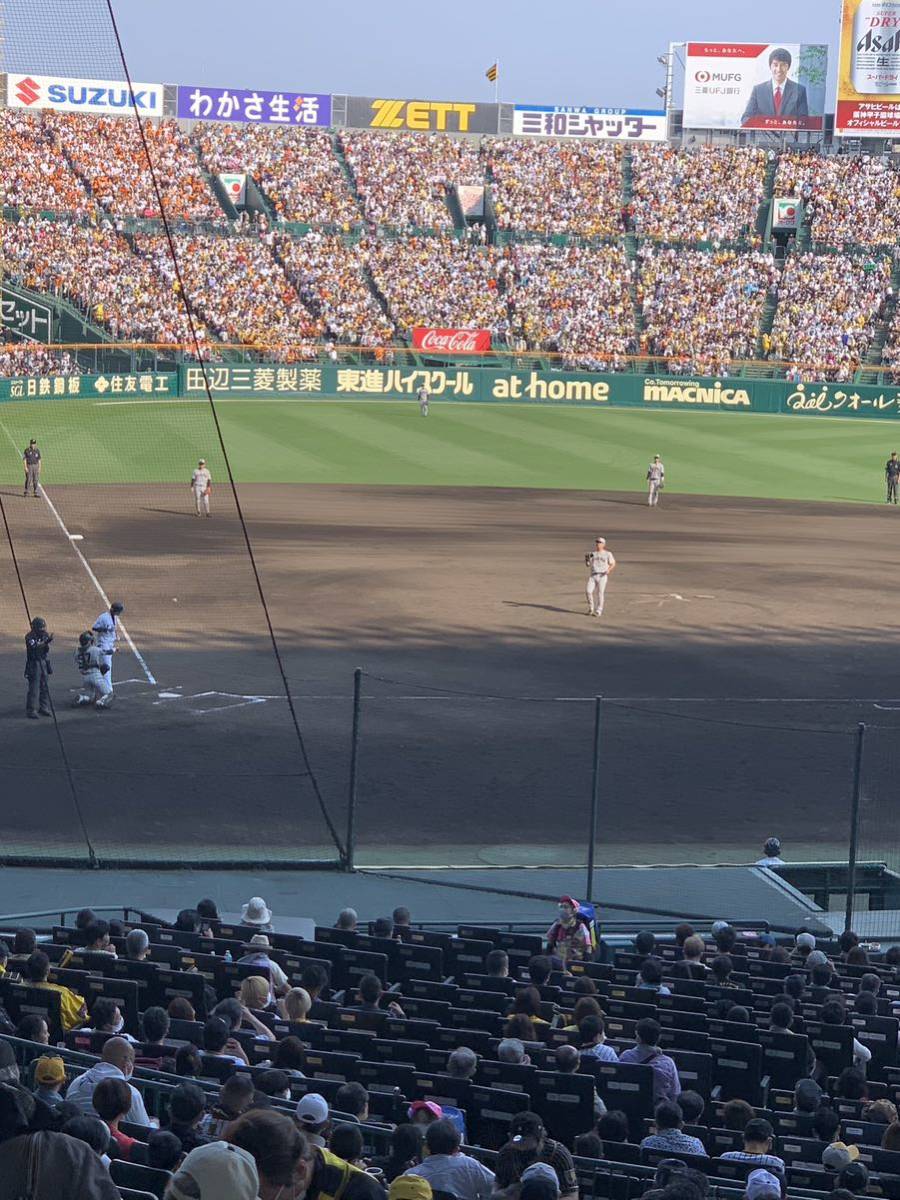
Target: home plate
(76, 537)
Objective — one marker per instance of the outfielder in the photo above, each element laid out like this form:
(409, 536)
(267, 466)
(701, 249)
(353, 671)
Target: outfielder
(96, 685)
(106, 634)
(656, 479)
(201, 486)
(424, 396)
(601, 564)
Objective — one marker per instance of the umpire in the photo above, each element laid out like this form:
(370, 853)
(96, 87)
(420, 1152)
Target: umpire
(31, 457)
(37, 669)
(892, 477)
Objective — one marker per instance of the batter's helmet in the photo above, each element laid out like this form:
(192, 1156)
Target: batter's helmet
(85, 639)
(38, 623)
(772, 847)
(117, 606)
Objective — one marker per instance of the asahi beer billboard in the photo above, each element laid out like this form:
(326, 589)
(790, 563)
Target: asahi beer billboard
(755, 85)
(868, 95)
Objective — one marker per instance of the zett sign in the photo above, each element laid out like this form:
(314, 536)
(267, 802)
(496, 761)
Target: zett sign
(425, 116)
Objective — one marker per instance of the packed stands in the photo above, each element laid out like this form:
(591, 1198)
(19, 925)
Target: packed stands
(97, 270)
(728, 1054)
(296, 169)
(702, 309)
(34, 175)
(329, 274)
(403, 178)
(108, 154)
(827, 308)
(238, 287)
(28, 359)
(556, 187)
(710, 194)
(365, 273)
(848, 198)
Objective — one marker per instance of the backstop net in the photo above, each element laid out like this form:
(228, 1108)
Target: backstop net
(111, 228)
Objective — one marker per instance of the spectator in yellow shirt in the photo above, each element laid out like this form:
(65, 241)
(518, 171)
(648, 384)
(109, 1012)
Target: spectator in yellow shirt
(73, 1009)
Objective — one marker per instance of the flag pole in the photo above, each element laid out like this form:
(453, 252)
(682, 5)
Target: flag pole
(497, 82)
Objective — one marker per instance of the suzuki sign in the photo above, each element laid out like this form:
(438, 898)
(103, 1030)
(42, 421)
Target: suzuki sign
(101, 96)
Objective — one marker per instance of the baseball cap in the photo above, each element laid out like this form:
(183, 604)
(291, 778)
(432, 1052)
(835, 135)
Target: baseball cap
(805, 941)
(839, 1155)
(312, 1109)
(410, 1187)
(807, 1095)
(49, 1069)
(816, 958)
(601, 539)
(541, 1170)
(425, 1106)
(762, 1183)
(717, 927)
(220, 1171)
(570, 900)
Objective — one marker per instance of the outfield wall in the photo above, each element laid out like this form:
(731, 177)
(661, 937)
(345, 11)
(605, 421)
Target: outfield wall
(471, 384)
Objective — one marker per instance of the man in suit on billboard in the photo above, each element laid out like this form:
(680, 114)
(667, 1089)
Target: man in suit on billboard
(779, 96)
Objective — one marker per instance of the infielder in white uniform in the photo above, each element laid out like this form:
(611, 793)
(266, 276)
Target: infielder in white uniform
(424, 396)
(601, 564)
(656, 478)
(201, 486)
(96, 687)
(106, 634)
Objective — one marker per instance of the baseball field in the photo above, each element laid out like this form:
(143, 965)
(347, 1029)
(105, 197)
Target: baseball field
(751, 624)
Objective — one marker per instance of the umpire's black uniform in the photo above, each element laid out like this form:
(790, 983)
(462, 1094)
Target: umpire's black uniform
(37, 668)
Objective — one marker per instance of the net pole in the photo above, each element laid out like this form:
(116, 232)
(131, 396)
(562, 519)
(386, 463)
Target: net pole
(354, 771)
(854, 825)
(595, 800)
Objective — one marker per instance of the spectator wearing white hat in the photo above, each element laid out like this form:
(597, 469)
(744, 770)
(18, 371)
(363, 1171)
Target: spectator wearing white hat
(256, 913)
(218, 1171)
(313, 1118)
(257, 956)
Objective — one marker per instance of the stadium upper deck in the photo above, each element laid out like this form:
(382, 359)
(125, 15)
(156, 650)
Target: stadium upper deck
(360, 237)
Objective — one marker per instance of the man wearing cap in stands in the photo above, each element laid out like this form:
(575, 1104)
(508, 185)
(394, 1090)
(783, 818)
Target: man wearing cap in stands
(49, 1076)
(568, 938)
(313, 1118)
(256, 913)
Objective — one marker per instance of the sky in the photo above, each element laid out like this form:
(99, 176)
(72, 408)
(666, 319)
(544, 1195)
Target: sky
(600, 52)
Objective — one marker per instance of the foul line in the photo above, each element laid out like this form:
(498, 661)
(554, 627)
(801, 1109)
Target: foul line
(93, 578)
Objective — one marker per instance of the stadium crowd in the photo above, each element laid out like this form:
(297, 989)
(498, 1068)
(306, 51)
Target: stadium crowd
(362, 278)
(296, 169)
(710, 194)
(847, 198)
(556, 187)
(403, 178)
(827, 309)
(701, 309)
(476, 1065)
(108, 153)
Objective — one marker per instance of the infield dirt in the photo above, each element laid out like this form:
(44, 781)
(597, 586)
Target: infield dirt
(742, 641)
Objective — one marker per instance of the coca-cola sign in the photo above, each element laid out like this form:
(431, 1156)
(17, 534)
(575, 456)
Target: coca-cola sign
(451, 341)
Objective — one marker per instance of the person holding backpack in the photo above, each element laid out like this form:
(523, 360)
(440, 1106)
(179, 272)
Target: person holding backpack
(569, 938)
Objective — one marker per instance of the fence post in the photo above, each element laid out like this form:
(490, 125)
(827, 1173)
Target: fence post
(854, 824)
(595, 800)
(354, 770)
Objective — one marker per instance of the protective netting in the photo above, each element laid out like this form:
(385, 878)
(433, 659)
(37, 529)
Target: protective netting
(680, 781)
(202, 755)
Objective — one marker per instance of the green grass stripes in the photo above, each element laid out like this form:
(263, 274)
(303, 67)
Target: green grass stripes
(706, 453)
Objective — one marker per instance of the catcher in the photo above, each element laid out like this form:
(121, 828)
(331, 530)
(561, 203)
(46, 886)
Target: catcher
(201, 486)
(96, 686)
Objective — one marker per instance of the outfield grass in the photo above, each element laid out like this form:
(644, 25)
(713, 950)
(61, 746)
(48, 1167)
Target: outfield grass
(706, 453)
